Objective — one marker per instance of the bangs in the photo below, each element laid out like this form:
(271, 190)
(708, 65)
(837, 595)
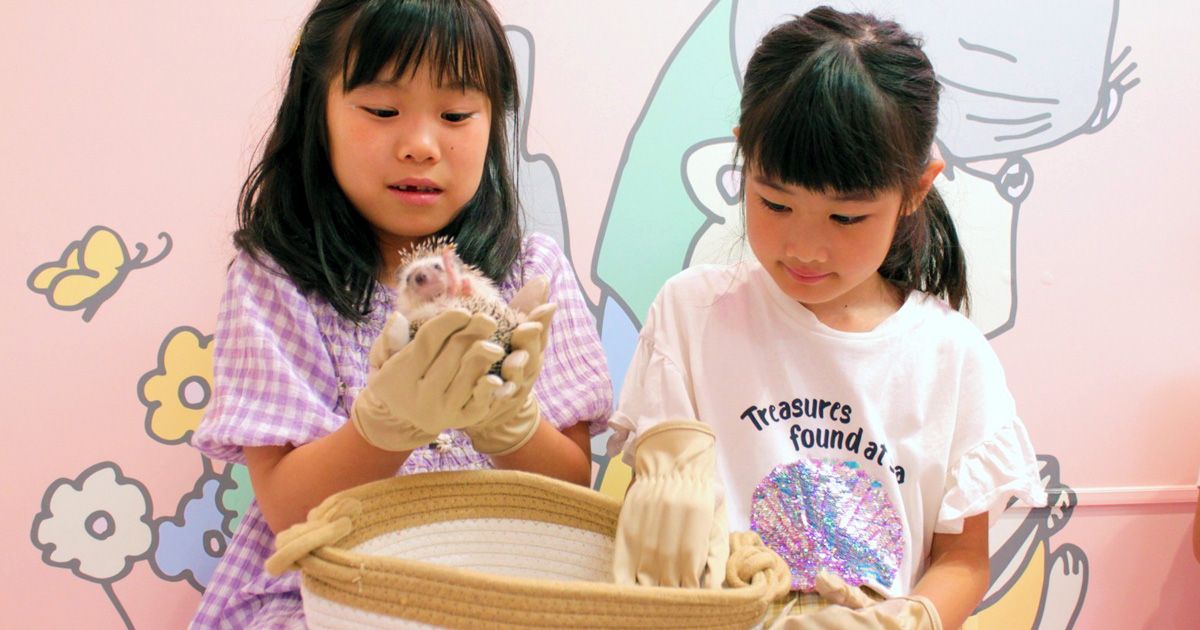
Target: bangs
(390, 39)
(827, 128)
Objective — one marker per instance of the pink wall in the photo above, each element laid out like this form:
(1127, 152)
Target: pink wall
(142, 116)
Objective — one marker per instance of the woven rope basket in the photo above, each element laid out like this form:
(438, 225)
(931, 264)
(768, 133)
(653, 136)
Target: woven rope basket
(496, 549)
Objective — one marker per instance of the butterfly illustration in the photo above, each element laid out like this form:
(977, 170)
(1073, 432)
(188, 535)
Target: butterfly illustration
(91, 270)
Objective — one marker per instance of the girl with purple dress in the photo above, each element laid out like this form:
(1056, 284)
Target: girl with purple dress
(392, 130)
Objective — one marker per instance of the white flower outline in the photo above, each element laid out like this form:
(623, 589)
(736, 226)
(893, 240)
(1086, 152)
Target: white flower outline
(64, 529)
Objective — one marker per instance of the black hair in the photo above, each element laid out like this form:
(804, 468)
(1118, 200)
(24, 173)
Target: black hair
(291, 206)
(847, 103)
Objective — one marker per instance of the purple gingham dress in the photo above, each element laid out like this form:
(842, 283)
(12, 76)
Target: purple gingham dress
(286, 369)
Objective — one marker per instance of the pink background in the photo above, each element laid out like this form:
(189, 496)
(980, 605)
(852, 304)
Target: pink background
(142, 116)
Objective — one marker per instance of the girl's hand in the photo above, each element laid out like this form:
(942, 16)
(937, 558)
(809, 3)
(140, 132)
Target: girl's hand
(672, 530)
(513, 418)
(436, 382)
(852, 608)
(531, 337)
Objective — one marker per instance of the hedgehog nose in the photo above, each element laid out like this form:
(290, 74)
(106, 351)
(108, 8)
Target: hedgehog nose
(420, 278)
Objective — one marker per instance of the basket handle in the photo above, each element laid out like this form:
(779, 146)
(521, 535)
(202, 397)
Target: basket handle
(327, 523)
(751, 563)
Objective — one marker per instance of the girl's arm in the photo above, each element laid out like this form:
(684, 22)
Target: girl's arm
(565, 455)
(958, 573)
(290, 480)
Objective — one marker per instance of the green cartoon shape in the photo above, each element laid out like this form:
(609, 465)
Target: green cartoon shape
(652, 220)
(236, 496)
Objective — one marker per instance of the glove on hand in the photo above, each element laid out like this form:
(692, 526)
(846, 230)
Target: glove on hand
(852, 609)
(672, 529)
(437, 381)
(513, 418)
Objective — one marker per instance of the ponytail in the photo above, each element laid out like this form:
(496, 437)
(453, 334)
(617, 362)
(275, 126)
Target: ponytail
(926, 254)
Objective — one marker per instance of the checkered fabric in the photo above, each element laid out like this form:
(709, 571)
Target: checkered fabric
(286, 370)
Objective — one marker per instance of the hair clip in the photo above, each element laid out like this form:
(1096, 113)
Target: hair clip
(296, 42)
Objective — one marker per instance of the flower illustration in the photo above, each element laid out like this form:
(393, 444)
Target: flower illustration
(192, 542)
(90, 271)
(97, 525)
(178, 389)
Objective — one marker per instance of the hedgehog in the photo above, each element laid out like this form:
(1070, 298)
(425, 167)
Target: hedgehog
(432, 278)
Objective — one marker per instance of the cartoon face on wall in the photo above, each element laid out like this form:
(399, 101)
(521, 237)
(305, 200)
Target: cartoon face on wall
(1018, 77)
(1015, 80)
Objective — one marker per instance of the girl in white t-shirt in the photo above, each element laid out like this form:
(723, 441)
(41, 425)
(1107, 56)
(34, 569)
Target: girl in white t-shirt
(827, 394)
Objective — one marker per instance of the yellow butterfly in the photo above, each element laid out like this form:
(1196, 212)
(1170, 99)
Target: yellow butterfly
(90, 271)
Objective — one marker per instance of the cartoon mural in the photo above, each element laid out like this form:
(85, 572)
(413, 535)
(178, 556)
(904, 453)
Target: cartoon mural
(97, 525)
(539, 186)
(102, 523)
(91, 270)
(1032, 585)
(1018, 80)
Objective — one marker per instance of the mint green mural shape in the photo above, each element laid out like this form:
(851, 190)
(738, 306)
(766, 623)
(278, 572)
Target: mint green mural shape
(237, 495)
(651, 221)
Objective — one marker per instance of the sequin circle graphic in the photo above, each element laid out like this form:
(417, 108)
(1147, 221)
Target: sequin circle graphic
(829, 514)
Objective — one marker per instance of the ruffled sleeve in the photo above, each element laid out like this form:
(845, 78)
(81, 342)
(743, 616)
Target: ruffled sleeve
(988, 476)
(574, 385)
(655, 389)
(273, 377)
(992, 460)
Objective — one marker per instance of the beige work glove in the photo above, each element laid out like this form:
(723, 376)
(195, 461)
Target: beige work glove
(672, 529)
(437, 381)
(853, 609)
(514, 416)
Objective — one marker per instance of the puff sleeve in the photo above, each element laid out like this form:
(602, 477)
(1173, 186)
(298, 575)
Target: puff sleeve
(991, 457)
(655, 388)
(574, 385)
(273, 379)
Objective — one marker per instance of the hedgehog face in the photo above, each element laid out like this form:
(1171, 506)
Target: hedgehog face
(425, 279)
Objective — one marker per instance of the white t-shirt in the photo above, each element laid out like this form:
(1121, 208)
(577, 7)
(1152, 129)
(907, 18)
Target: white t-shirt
(844, 451)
